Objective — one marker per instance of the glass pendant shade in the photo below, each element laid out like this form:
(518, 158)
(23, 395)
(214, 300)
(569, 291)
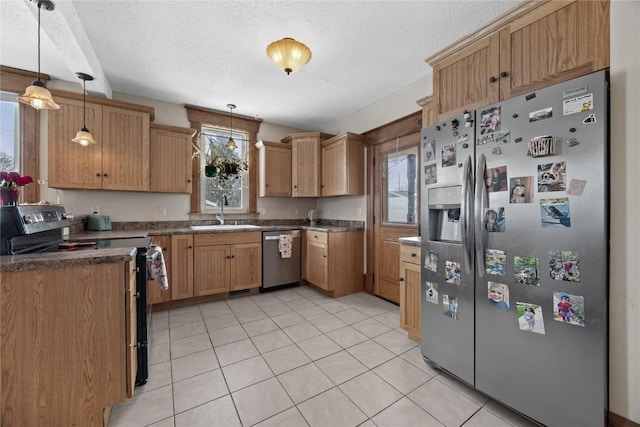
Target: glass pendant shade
(288, 54)
(84, 138)
(231, 144)
(37, 94)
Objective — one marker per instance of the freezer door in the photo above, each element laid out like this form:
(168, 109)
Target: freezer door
(541, 223)
(447, 293)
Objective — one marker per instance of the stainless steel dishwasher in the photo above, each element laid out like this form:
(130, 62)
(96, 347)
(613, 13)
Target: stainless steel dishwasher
(276, 270)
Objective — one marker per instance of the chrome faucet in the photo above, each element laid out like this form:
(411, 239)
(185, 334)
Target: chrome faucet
(224, 201)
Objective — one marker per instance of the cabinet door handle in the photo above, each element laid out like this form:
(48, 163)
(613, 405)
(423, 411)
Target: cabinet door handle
(233, 256)
(413, 255)
(504, 74)
(492, 79)
(190, 247)
(295, 186)
(98, 174)
(402, 279)
(105, 175)
(188, 180)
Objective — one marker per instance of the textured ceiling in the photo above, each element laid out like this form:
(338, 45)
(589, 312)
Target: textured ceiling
(211, 53)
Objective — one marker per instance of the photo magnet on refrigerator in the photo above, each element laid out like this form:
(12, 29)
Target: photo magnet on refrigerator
(490, 120)
(526, 270)
(576, 187)
(555, 213)
(498, 294)
(431, 262)
(496, 179)
(564, 265)
(495, 262)
(530, 317)
(568, 308)
(448, 155)
(450, 306)
(494, 220)
(452, 272)
(431, 174)
(431, 292)
(429, 151)
(521, 189)
(578, 104)
(552, 177)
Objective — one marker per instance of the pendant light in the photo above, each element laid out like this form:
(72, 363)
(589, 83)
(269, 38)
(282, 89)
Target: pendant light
(37, 94)
(231, 144)
(288, 54)
(84, 137)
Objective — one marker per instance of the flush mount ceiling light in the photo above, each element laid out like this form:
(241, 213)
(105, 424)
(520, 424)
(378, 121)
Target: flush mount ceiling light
(84, 137)
(37, 94)
(231, 144)
(288, 54)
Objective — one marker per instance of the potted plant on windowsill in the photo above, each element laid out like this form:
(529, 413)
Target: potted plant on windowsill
(222, 164)
(10, 183)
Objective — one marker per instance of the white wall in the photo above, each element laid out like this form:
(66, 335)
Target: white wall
(624, 326)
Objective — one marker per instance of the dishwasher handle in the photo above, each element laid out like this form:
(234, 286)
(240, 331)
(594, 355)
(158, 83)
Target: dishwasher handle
(295, 236)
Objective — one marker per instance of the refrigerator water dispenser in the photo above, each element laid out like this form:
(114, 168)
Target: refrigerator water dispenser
(444, 214)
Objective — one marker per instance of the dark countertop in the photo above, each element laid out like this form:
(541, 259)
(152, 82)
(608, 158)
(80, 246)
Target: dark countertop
(73, 258)
(410, 241)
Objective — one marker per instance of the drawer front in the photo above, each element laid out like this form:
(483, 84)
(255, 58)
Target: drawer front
(208, 239)
(317, 236)
(410, 254)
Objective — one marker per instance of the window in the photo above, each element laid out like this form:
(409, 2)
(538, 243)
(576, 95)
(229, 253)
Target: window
(213, 142)
(9, 132)
(399, 186)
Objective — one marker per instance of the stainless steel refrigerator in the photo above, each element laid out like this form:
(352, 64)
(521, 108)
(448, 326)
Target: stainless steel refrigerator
(514, 227)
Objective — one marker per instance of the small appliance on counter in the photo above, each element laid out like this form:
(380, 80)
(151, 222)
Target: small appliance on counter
(313, 217)
(98, 223)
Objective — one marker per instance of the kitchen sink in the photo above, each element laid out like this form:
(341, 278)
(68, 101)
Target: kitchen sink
(229, 227)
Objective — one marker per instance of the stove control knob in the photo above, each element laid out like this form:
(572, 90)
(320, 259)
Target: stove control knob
(33, 218)
(67, 215)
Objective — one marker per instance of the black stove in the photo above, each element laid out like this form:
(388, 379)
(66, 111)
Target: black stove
(28, 229)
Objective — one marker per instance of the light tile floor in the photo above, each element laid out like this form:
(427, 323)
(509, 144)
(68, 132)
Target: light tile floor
(295, 357)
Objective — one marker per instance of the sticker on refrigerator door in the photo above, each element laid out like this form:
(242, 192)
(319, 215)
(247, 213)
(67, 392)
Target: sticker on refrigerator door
(498, 295)
(521, 189)
(555, 213)
(526, 270)
(429, 151)
(530, 317)
(494, 220)
(450, 306)
(576, 187)
(448, 155)
(577, 105)
(431, 292)
(490, 120)
(431, 174)
(552, 177)
(431, 262)
(495, 262)
(591, 118)
(452, 272)
(564, 265)
(538, 115)
(496, 179)
(568, 308)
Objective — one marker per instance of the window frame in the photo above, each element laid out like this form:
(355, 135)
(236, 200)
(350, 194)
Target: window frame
(198, 117)
(16, 81)
(239, 135)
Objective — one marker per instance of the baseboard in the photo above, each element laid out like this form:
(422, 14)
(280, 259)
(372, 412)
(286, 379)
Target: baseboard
(616, 420)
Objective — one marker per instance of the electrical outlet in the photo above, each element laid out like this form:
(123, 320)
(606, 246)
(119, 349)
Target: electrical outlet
(162, 211)
(95, 210)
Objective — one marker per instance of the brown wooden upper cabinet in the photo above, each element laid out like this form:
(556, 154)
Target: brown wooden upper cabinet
(553, 42)
(274, 172)
(306, 162)
(343, 165)
(119, 160)
(170, 159)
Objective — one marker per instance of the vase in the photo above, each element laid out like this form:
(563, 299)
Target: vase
(9, 196)
(210, 171)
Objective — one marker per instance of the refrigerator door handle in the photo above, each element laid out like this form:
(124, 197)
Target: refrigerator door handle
(481, 203)
(465, 207)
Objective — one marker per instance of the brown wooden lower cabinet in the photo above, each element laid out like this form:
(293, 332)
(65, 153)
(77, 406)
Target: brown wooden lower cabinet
(181, 283)
(64, 343)
(410, 290)
(225, 262)
(334, 261)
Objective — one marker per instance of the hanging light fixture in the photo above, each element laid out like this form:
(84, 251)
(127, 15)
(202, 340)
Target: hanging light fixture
(231, 144)
(84, 137)
(37, 94)
(288, 54)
